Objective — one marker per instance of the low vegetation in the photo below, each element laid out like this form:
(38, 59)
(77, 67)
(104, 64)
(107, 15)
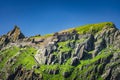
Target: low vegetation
(93, 28)
(69, 59)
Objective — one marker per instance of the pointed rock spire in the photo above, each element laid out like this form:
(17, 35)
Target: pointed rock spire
(15, 34)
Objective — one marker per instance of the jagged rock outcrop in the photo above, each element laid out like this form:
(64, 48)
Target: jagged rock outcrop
(15, 34)
(74, 61)
(22, 74)
(11, 36)
(91, 52)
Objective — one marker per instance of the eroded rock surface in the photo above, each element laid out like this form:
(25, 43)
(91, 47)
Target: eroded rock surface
(67, 55)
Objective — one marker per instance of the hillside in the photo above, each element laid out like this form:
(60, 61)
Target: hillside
(89, 52)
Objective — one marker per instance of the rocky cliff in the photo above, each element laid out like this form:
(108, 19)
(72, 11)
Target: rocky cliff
(89, 52)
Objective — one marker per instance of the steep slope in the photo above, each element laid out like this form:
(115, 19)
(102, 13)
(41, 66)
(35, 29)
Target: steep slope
(11, 36)
(90, 52)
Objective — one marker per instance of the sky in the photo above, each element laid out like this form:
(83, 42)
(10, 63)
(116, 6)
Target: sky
(49, 16)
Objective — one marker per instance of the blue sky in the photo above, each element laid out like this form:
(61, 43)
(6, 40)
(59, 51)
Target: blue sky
(48, 16)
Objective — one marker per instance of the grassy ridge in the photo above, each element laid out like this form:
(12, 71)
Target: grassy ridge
(26, 56)
(90, 28)
(93, 28)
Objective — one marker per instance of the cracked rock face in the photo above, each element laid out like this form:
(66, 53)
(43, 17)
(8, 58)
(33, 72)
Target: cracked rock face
(15, 34)
(11, 36)
(21, 72)
(92, 43)
(67, 54)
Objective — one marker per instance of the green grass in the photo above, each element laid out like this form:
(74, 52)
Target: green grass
(85, 29)
(62, 68)
(67, 68)
(81, 40)
(44, 71)
(26, 58)
(103, 54)
(63, 46)
(46, 68)
(7, 54)
(43, 36)
(90, 64)
(93, 28)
